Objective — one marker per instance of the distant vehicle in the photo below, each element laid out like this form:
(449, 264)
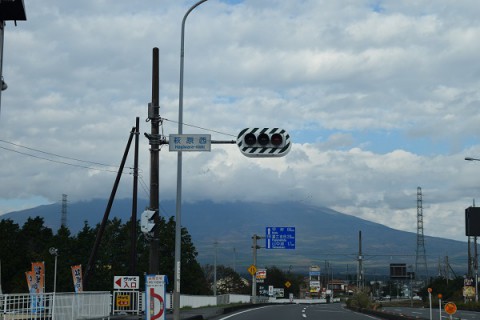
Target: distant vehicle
(416, 298)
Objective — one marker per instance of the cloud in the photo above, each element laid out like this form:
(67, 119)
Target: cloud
(379, 99)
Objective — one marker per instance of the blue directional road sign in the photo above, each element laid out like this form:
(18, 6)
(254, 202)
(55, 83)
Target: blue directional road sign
(280, 237)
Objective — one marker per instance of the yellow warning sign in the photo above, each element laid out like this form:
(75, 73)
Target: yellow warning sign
(123, 300)
(288, 284)
(252, 269)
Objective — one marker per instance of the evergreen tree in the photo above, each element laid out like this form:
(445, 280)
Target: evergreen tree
(32, 242)
(11, 257)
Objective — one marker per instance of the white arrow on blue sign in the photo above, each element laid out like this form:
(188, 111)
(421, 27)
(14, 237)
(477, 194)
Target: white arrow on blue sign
(280, 237)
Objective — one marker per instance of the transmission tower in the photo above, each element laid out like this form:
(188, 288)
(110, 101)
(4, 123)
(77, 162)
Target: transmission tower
(421, 258)
(64, 210)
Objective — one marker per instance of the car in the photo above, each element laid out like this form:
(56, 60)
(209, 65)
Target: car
(416, 298)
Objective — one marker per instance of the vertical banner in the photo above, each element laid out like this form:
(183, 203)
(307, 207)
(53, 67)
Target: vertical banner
(77, 278)
(155, 289)
(38, 269)
(30, 281)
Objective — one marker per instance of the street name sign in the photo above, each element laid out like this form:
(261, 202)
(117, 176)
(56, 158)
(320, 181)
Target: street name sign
(280, 237)
(190, 142)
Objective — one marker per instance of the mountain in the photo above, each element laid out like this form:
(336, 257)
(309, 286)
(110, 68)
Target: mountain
(322, 236)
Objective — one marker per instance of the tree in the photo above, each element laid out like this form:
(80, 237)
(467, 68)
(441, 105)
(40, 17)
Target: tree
(450, 290)
(192, 278)
(11, 256)
(228, 281)
(21, 246)
(64, 244)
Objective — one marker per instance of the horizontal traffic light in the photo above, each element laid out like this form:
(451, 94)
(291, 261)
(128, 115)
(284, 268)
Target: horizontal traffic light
(264, 142)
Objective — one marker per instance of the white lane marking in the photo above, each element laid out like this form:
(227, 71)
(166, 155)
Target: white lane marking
(233, 315)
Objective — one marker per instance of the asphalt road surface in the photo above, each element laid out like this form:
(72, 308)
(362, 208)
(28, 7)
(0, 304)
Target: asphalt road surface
(425, 313)
(297, 311)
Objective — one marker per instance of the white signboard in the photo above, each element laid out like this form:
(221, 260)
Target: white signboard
(155, 298)
(278, 292)
(126, 283)
(190, 142)
(314, 286)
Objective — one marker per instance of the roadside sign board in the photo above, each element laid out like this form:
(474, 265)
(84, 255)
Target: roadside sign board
(450, 308)
(280, 237)
(190, 142)
(126, 283)
(155, 293)
(123, 300)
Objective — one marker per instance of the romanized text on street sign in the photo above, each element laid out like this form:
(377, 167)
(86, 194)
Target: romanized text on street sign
(280, 237)
(190, 142)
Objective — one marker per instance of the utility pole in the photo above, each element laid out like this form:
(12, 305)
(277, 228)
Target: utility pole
(154, 139)
(215, 270)
(360, 262)
(133, 220)
(254, 276)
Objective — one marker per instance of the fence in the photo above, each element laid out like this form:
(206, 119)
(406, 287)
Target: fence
(127, 301)
(88, 305)
(56, 306)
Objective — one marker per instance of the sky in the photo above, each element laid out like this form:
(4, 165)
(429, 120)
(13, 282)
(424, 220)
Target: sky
(379, 98)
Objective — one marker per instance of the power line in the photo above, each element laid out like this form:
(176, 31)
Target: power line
(54, 154)
(202, 128)
(58, 161)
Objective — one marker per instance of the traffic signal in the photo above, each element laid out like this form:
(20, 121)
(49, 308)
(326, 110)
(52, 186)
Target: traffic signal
(472, 221)
(146, 221)
(263, 142)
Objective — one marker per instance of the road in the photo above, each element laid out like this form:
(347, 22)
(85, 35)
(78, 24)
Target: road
(297, 311)
(425, 313)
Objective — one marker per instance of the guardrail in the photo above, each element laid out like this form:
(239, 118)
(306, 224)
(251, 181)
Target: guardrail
(56, 306)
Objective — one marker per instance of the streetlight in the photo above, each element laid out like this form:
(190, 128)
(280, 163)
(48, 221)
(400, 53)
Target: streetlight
(178, 209)
(475, 263)
(12, 10)
(54, 252)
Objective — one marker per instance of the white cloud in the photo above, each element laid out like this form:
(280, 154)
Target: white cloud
(378, 99)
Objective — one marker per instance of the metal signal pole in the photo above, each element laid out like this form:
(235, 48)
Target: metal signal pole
(154, 140)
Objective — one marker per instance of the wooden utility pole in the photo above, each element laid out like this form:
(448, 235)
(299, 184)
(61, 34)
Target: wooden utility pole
(133, 220)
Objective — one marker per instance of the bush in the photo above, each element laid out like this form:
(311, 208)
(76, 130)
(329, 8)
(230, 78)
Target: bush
(359, 300)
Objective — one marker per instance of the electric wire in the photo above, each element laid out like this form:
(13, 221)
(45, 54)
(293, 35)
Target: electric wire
(59, 162)
(202, 128)
(57, 155)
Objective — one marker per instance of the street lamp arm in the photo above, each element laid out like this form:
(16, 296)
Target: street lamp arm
(178, 209)
(471, 159)
(182, 58)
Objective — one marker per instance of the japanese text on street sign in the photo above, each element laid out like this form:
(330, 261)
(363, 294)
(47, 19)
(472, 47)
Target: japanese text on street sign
(190, 142)
(155, 287)
(280, 237)
(126, 282)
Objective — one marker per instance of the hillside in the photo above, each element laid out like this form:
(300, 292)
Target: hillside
(322, 235)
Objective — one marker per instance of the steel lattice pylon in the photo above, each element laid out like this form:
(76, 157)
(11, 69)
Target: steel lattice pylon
(421, 269)
(64, 210)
